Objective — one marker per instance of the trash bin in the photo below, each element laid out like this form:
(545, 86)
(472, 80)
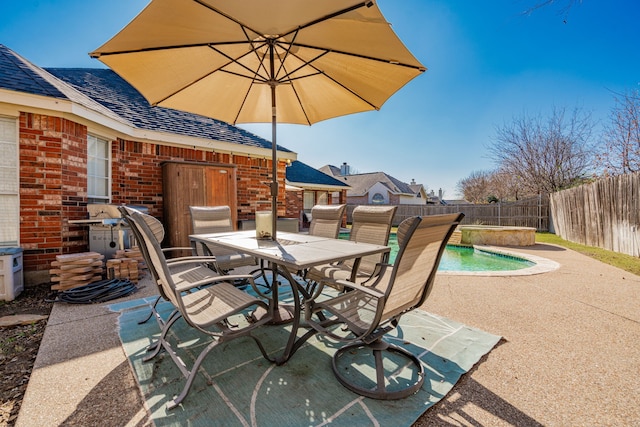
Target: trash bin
(11, 281)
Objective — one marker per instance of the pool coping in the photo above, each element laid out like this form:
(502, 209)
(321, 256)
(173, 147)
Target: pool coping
(542, 265)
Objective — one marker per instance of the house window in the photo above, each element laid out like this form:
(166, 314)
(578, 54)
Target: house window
(312, 198)
(9, 183)
(98, 170)
(377, 199)
(309, 200)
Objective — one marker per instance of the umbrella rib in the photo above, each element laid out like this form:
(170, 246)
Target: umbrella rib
(254, 49)
(304, 111)
(367, 3)
(320, 72)
(229, 17)
(219, 69)
(236, 61)
(244, 100)
(151, 49)
(287, 52)
(356, 55)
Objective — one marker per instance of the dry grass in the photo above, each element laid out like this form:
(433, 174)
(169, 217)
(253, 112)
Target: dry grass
(625, 262)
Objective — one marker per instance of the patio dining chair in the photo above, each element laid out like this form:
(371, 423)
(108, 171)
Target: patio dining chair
(211, 304)
(217, 219)
(365, 314)
(370, 224)
(158, 232)
(326, 220)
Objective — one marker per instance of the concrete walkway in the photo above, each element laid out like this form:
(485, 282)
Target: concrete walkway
(570, 354)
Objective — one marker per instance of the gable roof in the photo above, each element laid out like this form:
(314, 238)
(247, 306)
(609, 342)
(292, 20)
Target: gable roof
(361, 183)
(303, 175)
(416, 188)
(104, 91)
(18, 75)
(112, 91)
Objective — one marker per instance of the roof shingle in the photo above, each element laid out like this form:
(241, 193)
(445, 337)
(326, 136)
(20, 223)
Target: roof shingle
(104, 91)
(299, 172)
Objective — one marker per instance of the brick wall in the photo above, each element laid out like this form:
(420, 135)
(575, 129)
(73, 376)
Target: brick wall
(295, 205)
(137, 176)
(53, 184)
(53, 190)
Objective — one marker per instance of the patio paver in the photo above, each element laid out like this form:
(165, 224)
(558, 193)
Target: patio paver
(570, 354)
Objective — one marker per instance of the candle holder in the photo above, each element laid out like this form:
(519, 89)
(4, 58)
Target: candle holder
(264, 225)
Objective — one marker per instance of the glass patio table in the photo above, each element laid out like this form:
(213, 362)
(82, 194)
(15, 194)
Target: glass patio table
(290, 252)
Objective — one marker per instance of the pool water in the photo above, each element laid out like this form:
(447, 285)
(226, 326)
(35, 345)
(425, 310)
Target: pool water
(465, 258)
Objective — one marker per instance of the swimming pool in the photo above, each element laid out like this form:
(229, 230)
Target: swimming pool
(468, 259)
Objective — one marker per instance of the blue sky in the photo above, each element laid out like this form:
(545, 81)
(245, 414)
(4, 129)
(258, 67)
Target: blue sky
(487, 63)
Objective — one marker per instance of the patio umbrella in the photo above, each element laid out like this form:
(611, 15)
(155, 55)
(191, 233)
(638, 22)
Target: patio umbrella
(258, 61)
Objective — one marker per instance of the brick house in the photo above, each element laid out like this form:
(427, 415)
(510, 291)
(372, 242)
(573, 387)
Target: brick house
(308, 187)
(69, 137)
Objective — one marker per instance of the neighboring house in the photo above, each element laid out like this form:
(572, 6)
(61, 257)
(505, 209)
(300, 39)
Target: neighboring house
(377, 188)
(69, 137)
(436, 199)
(312, 187)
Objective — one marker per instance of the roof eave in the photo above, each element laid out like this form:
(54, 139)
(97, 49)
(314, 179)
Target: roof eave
(14, 102)
(311, 186)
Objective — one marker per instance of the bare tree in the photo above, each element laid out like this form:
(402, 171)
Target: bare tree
(621, 152)
(545, 155)
(476, 187)
(564, 6)
(507, 187)
(490, 186)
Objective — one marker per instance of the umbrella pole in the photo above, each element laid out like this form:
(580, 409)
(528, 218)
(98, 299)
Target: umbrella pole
(274, 165)
(274, 151)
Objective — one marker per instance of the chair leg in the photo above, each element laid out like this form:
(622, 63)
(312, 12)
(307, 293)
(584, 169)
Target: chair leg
(378, 388)
(194, 369)
(157, 346)
(151, 312)
(191, 376)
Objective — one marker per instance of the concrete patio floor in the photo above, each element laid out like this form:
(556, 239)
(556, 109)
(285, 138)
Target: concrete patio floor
(569, 357)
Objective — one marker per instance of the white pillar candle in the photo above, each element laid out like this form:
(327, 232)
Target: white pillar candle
(264, 224)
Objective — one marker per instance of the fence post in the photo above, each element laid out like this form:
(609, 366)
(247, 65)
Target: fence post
(539, 211)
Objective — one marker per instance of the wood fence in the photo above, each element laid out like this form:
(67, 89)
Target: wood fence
(603, 214)
(525, 213)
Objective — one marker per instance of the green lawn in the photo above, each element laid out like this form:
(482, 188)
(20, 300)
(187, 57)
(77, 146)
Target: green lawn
(626, 262)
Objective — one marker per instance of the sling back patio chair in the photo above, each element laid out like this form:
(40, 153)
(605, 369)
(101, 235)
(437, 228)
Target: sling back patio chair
(370, 224)
(217, 219)
(198, 270)
(326, 220)
(211, 304)
(158, 232)
(362, 316)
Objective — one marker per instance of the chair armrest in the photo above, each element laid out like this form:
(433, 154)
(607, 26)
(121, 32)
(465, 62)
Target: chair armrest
(376, 276)
(214, 279)
(365, 289)
(183, 248)
(190, 260)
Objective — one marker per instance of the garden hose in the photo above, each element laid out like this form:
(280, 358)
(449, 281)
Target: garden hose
(96, 292)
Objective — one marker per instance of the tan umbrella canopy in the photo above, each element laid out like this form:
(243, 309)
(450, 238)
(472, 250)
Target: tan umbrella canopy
(258, 61)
